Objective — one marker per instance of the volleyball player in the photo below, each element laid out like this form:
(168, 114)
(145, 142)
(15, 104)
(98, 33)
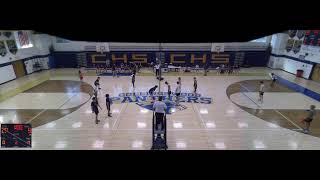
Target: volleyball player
(307, 121)
(80, 75)
(97, 83)
(152, 90)
(195, 84)
(95, 93)
(178, 92)
(94, 107)
(273, 78)
(169, 89)
(108, 104)
(133, 79)
(261, 91)
(114, 73)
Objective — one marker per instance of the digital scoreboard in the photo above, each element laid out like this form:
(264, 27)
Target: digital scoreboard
(16, 135)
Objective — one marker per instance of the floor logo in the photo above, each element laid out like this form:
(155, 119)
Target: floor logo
(144, 99)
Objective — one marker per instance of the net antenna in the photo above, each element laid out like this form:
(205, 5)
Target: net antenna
(160, 64)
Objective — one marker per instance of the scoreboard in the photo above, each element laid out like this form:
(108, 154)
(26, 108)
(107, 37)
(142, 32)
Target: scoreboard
(16, 135)
(312, 38)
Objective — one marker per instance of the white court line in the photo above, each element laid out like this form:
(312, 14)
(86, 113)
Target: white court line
(118, 117)
(299, 128)
(248, 95)
(47, 109)
(195, 108)
(288, 119)
(36, 116)
(203, 123)
(68, 100)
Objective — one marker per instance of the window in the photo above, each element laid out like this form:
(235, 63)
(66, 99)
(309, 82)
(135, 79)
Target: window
(61, 40)
(263, 39)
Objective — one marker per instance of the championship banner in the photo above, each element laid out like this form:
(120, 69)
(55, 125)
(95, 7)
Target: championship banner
(12, 46)
(289, 45)
(300, 34)
(7, 34)
(292, 33)
(3, 50)
(297, 46)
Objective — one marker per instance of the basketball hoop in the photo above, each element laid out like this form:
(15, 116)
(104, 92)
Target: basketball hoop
(218, 48)
(102, 49)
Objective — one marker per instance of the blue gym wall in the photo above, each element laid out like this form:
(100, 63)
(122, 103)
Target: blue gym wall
(252, 58)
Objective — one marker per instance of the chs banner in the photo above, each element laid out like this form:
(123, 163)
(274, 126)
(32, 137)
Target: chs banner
(254, 58)
(179, 58)
(176, 58)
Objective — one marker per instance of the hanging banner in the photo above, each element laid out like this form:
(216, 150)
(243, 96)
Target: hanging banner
(289, 45)
(292, 33)
(12, 46)
(297, 46)
(3, 50)
(301, 33)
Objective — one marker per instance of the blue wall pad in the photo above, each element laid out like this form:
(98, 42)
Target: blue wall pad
(299, 88)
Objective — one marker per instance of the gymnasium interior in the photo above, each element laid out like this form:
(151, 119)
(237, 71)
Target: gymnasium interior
(45, 104)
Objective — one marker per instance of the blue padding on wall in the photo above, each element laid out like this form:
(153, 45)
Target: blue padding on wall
(299, 88)
(252, 58)
(5, 64)
(65, 60)
(52, 63)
